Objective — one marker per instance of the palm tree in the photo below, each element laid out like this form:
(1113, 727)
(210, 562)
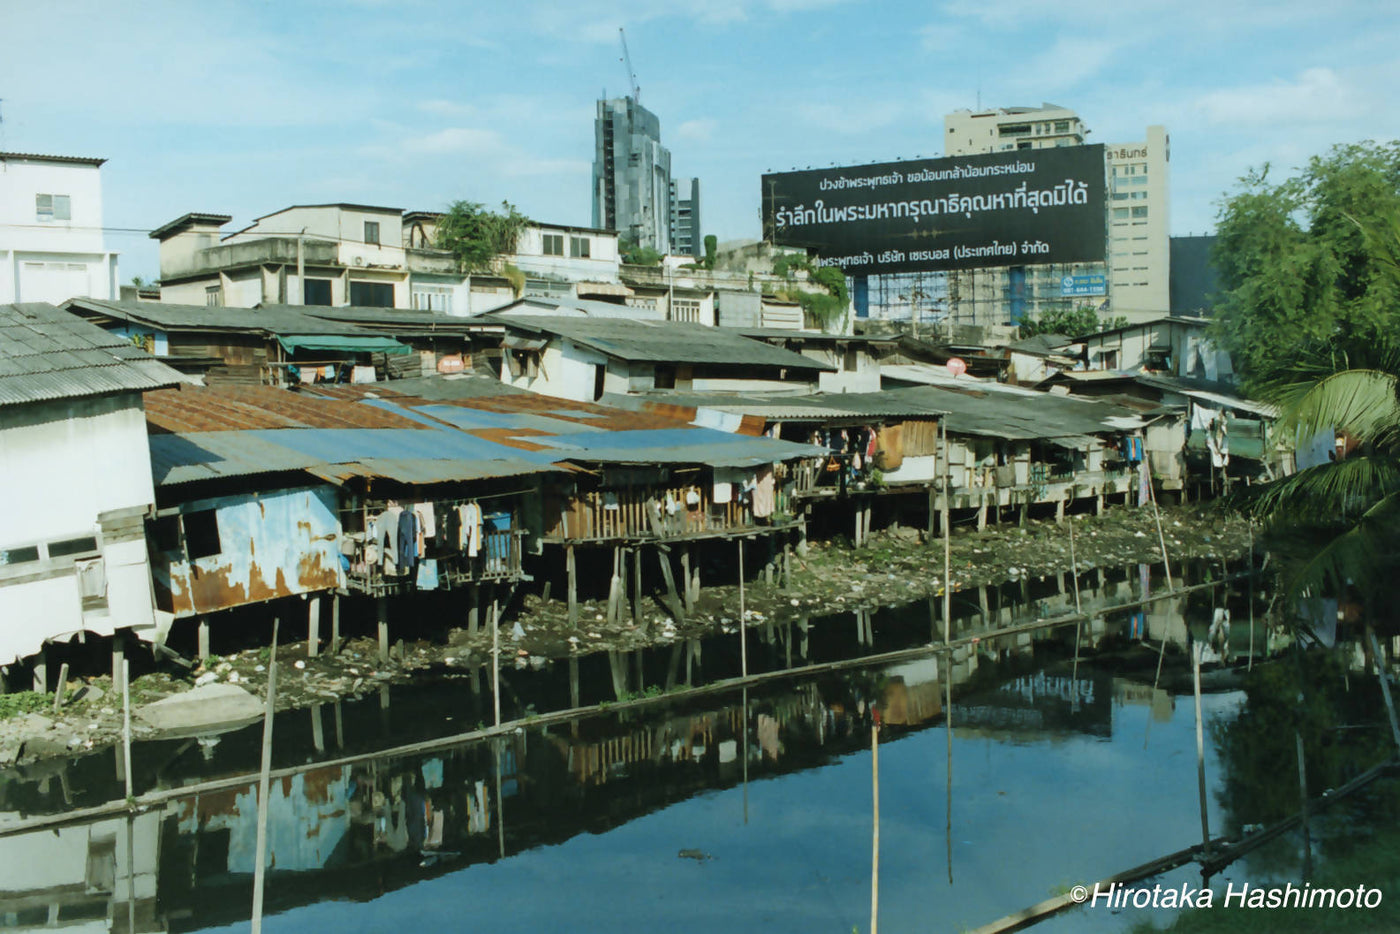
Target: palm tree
(1336, 526)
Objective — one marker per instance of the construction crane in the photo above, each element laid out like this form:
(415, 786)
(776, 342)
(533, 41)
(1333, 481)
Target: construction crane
(627, 62)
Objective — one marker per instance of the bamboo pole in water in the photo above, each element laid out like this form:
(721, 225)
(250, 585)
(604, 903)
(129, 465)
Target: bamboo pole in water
(1079, 623)
(875, 832)
(1303, 799)
(1200, 749)
(264, 783)
(495, 659)
(947, 539)
(948, 732)
(743, 633)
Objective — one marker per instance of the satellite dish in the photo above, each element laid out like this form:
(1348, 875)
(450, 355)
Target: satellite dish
(957, 366)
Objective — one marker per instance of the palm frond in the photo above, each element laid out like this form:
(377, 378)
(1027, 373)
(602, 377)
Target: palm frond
(1326, 492)
(1360, 402)
(1363, 555)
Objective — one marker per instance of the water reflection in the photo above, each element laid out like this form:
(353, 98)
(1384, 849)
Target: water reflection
(761, 789)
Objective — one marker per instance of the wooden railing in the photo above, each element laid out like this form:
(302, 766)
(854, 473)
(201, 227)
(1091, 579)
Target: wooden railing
(644, 513)
(499, 558)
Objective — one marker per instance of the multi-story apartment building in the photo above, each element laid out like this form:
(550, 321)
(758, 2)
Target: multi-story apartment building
(1133, 282)
(51, 230)
(685, 217)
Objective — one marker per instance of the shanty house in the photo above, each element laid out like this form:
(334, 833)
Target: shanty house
(582, 358)
(74, 458)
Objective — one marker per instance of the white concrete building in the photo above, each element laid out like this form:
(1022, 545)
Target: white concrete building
(1139, 232)
(350, 254)
(51, 230)
(1001, 129)
(74, 456)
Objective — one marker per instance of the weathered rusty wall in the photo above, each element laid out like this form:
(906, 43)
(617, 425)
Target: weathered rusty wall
(271, 545)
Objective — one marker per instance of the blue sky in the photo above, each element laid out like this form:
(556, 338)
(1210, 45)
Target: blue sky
(244, 108)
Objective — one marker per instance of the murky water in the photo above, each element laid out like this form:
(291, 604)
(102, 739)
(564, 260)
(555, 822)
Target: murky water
(745, 809)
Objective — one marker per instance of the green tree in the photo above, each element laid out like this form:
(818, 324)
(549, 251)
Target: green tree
(1069, 321)
(1298, 272)
(633, 254)
(476, 236)
(711, 249)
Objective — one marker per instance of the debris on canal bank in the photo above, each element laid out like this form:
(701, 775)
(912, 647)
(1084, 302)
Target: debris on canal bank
(895, 567)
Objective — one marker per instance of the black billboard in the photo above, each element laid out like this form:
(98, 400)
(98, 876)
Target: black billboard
(1017, 208)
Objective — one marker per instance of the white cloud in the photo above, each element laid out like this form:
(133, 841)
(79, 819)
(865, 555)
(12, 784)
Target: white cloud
(1316, 95)
(700, 131)
(850, 118)
(457, 139)
(444, 108)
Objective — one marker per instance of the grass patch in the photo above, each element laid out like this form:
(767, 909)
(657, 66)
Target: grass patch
(22, 702)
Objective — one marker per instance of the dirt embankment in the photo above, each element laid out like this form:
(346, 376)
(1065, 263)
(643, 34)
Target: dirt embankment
(896, 567)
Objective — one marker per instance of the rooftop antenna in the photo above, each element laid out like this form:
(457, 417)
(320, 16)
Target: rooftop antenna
(627, 63)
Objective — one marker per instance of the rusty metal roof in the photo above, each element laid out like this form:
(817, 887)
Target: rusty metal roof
(196, 409)
(46, 353)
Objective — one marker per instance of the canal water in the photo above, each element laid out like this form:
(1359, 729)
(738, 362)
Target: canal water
(1009, 770)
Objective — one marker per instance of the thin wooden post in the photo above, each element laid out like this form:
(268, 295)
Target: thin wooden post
(126, 730)
(313, 626)
(118, 661)
(685, 579)
(860, 524)
(474, 609)
(381, 610)
(204, 652)
(1078, 611)
(947, 543)
(875, 827)
(495, 660)
(787, 565)
(1250, 665)
(1303, 799)
(335, 624)
(743, 632)
(318, 730)
(637, 582)
(1200, 748)
(573, 584)
(1385, 686)
(59, 688)
(615, 585)
(982, 511)
(264, 782)
(41, 671)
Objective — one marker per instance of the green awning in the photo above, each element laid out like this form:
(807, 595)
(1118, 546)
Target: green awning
(348, 343)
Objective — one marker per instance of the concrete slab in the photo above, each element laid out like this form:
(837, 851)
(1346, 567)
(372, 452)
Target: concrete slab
(209, 708)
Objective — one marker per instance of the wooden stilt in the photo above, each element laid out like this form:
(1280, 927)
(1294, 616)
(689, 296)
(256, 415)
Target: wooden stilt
(860, 525)
(335, 624)
(932, 515)
(118, 660)
(573, 584)
(1059, 512)
(318, 729)
(743, 620)
(204, 653)
(982, 512)
(673, 599)
(637, 582)
(41, 671)
(768, 572)
(339, 727)
(60, 687)
(313, 626)
(875, 830)
(573, 682)
(1385, 685)
(126, 729)
(615, 585)
(495, 661)
(381, 610)
(1098, 504)
(685, 577)
(787, 565)
(473, 609)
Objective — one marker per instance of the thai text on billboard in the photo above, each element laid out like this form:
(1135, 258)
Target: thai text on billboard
(1019, 208)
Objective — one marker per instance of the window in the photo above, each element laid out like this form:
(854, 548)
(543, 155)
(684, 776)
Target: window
(201, 534)
(73, 546)
(23, 555)
(436, 298)
(1139, 211)
(372, 294)
(1120, 212)
(685, 309)
(372, 232)
(1061, 126)
(665, 377)
(213, 296)
(580, 247)
(52, 208)
(316, 292)
(1120, 196)
(553, 244)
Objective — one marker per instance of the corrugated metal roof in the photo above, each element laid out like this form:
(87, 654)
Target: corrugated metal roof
(46, 353)
(283, 320)
(41, 157)
(642, 340)
(819, 406)
(230, 408)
